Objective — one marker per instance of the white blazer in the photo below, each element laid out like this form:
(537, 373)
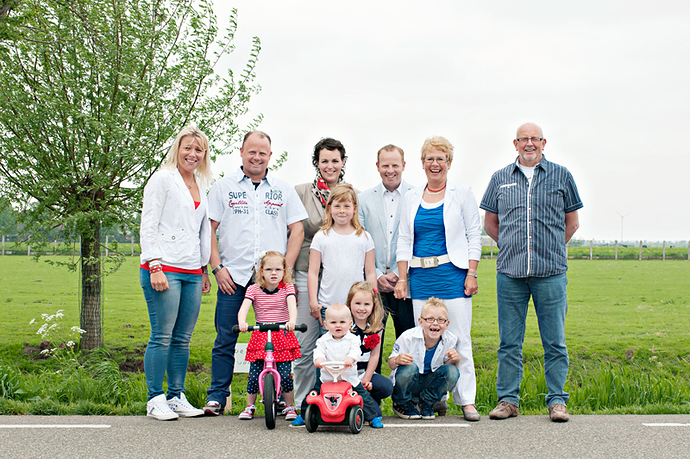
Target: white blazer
(171, 228)
(461, 221)
(372, 215)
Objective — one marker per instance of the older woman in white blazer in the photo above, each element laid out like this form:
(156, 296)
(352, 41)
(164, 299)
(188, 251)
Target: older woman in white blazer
(439, 248)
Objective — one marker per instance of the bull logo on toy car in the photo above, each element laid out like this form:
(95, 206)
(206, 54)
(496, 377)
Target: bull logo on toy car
(332, 400)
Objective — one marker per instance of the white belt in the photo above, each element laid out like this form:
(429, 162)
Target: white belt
(429, 262)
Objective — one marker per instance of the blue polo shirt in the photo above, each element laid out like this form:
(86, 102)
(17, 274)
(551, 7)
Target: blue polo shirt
(531, 218)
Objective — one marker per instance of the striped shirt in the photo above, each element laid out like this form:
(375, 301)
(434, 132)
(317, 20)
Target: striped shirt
(270, 307)
(531, 218)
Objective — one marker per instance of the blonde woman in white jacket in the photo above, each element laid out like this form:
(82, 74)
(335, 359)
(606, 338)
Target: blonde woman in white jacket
(175, 236)
(440, 243)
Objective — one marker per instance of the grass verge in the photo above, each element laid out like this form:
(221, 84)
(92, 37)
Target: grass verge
(628, 329)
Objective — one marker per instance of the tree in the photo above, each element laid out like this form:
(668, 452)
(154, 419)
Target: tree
(93, 90)
(8, 217)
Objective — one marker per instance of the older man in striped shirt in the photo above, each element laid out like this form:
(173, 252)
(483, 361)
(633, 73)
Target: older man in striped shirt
(531, 211)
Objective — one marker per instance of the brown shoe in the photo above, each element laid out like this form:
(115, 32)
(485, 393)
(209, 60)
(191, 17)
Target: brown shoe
(558, 413)
(504, 410)
(441, 408)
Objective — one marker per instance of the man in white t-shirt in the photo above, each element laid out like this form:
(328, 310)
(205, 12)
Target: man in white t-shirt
(251, 211)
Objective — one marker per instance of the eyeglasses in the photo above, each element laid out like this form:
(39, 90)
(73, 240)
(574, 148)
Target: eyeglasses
(431, 320)
(438, 160)
(527, 139)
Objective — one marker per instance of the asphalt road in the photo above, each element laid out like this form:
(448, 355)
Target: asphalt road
(628, 436)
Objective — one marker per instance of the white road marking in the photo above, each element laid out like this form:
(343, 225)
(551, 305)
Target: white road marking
(427, 425)
(54, 426)
(665, 424)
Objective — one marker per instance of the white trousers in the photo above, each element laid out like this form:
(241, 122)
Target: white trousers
(460, 317)
(303, 368)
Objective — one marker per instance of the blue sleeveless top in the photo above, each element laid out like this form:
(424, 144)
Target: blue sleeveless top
(445, 281)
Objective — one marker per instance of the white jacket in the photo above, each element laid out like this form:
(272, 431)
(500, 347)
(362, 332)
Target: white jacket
(171, 229)
(412, 342)
(461, 221)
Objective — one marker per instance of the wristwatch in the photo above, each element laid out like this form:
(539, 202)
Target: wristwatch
(469, 274)
(217, 268)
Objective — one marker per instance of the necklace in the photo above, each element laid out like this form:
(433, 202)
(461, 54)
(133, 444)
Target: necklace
(435, 192)
(185, 180)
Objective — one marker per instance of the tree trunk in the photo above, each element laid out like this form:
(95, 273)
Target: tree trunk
(90, 317)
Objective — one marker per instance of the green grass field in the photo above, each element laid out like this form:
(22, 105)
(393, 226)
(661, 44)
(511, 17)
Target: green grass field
(628, 332)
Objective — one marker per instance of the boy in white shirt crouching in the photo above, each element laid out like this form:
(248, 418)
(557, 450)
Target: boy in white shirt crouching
(425, 362)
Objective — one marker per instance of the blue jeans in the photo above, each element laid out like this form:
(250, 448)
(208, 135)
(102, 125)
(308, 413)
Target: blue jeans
(429, 387)
(549, 295)
(173, 314)
(381, 388)
(223, 353)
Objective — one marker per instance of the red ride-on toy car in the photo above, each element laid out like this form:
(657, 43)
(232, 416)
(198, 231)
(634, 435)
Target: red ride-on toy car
(338, 403)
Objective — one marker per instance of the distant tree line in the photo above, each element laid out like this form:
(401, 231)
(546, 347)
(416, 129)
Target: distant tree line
(15, 231)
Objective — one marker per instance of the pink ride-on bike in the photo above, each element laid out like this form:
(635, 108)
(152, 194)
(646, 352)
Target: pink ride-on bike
(269, 378)
(337, 404)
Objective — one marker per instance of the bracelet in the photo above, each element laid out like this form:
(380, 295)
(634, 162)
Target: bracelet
(472, 274)
(154, 263)
(217, 268)
(401, 280)
(156, 268)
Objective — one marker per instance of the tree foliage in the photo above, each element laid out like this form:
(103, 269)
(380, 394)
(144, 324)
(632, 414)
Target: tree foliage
(8, 218)
(93, 91)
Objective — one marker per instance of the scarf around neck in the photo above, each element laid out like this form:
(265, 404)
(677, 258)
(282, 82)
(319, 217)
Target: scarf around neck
(321, 190)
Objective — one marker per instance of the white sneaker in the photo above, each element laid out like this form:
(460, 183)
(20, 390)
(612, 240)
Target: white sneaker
(158, 408)
(290, 413)
(183, 408)
(248, 413)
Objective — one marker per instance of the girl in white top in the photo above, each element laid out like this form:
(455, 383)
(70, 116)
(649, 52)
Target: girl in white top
(367, 324)
(343, 249)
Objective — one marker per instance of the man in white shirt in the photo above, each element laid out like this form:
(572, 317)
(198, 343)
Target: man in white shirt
(251, 211)
(379, 213)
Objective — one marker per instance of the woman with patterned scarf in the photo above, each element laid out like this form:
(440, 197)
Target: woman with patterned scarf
(329, 160)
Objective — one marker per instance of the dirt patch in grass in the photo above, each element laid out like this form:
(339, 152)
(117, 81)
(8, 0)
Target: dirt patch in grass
(130, 359)
(196, 367)
(35, 351)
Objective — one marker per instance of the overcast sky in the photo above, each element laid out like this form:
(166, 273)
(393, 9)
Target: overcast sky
(608, 81)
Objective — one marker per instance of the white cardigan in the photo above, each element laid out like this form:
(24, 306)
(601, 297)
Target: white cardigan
(461, 221)
(171, 228)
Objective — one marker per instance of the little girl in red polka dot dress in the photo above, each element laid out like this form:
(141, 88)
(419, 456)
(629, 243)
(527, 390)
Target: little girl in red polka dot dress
(274, 301)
